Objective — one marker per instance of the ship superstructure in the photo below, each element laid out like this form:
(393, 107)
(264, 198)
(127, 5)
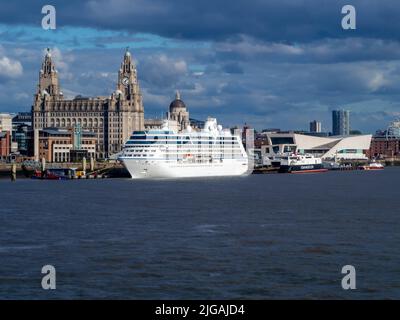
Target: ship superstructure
(212, 151)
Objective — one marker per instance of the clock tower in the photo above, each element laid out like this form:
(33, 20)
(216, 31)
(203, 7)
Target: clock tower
(127, 101)
(127, 79)
(111, 119)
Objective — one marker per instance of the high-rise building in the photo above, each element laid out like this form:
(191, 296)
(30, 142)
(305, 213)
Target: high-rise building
(111, 118)
(315, 126)
(394, 129)
(340, 122)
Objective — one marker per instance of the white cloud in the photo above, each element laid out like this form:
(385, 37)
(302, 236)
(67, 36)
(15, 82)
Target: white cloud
(10, 68)
(377, 81)
(249, 46)
(163, 71)
(153, 98)
(62, 62)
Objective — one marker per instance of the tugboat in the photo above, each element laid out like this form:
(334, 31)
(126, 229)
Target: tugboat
(372, 166)
(307, 163)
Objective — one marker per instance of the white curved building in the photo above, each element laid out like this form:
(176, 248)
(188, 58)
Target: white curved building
(339, 147)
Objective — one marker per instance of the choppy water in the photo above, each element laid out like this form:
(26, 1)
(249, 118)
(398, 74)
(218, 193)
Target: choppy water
(259, 237)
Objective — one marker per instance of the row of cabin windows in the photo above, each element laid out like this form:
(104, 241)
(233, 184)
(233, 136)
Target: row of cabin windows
(144, 137)
(181, 142)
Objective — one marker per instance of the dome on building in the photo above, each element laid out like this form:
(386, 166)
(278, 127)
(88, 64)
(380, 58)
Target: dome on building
(177, 103)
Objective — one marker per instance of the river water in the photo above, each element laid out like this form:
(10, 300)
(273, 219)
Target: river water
(271, 236)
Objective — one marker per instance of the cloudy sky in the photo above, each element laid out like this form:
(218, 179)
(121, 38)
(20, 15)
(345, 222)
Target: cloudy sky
(268, 63)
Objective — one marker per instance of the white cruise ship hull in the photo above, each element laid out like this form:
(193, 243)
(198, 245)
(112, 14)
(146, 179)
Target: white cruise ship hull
(141, 169)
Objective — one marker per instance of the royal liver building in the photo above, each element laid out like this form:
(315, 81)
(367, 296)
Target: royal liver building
(112, 118)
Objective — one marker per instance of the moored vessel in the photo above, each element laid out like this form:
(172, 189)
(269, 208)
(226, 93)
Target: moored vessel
(212, 151)
(55, 174)
(372, 166)
(301, 163)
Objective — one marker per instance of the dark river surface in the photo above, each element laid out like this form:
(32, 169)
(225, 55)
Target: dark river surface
(258, 237)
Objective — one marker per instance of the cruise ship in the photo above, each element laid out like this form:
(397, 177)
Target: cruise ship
(212, 151)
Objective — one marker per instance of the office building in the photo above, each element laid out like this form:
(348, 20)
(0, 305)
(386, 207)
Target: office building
(340, 122)
(315, 126)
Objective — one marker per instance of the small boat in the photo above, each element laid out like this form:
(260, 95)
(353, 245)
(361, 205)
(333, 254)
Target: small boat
(301, 163)
(55, 174)
(372, 166)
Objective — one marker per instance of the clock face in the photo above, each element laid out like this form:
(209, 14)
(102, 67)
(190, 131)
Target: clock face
(125, 81)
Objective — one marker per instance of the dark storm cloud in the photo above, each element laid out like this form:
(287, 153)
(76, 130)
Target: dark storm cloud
(319, 51)
(273, 20)
(268, 63)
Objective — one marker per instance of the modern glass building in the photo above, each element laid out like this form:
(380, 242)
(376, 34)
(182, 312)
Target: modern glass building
(393, 130)
(21, 137)
(341, 122)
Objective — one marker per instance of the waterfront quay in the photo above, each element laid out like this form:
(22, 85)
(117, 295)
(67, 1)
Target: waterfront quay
(115, 169)
(83, 170)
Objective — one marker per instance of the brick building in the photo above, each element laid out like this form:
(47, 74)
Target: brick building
(384, 147)
(59, 145)
(5, 144)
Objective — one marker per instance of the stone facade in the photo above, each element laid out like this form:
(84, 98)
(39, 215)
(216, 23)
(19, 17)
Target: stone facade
(177, 117)
(150, 124)
(178, 112)
(111, 118)
(5, 122)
